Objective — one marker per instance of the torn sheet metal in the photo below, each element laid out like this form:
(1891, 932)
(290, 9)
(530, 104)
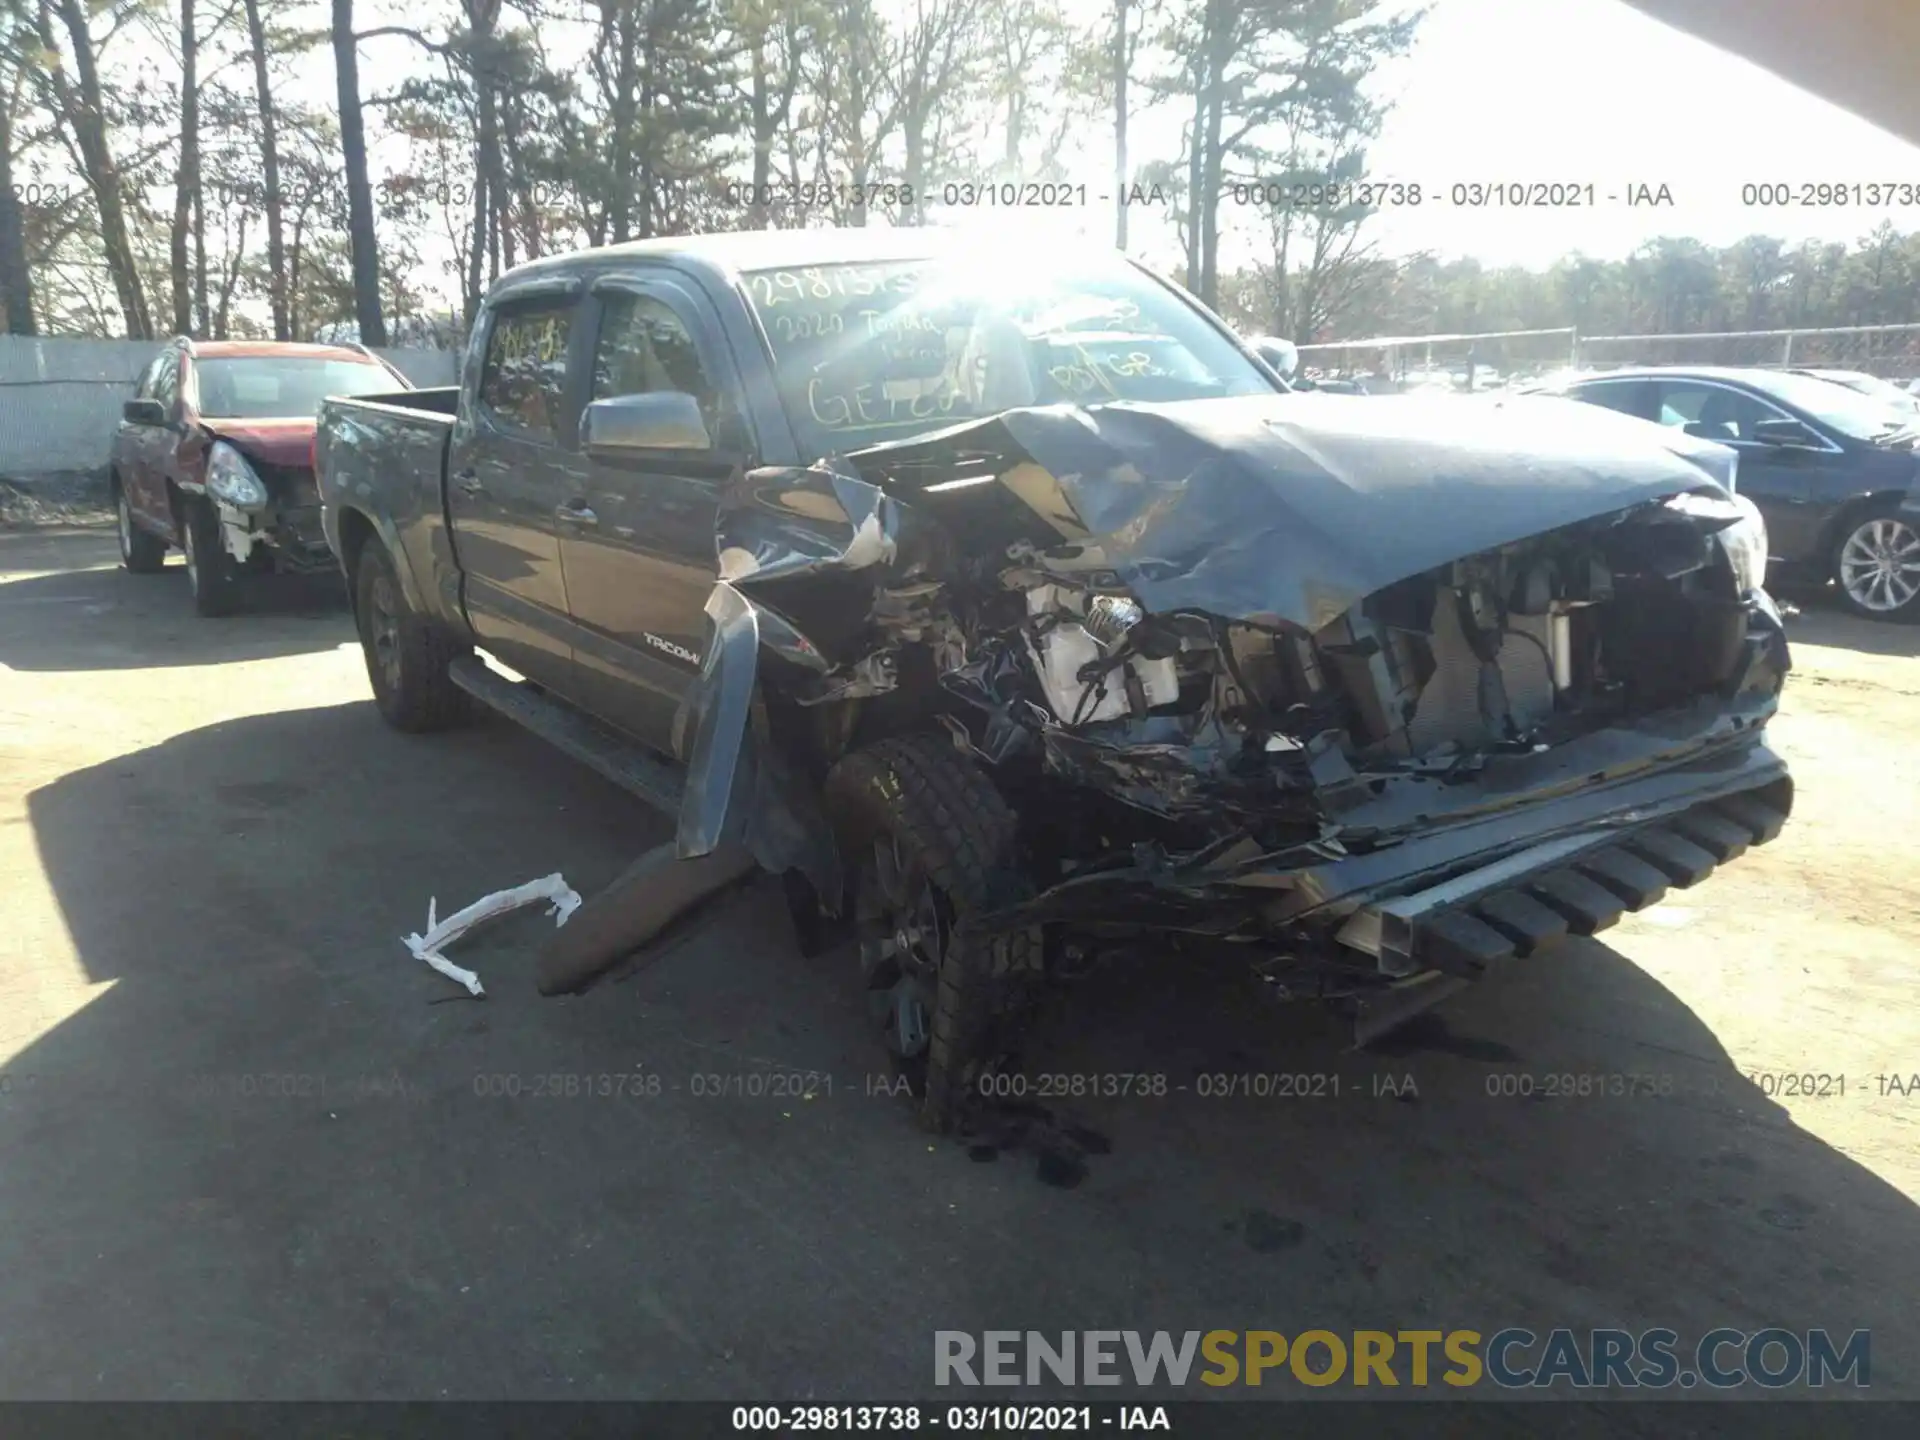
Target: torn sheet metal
(440, 933)
(785, 522)
(1289, 508)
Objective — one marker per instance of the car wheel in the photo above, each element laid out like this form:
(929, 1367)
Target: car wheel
(140, 552)
(211, 573)
(407, 658)
(1877, 562)
(929, 840)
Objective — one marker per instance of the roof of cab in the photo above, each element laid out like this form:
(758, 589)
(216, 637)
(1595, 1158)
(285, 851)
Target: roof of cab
(735, 252)
(263, 349)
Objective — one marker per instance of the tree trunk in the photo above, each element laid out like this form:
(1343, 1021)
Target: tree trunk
(482, 17)
(477, 255)
(230, 278)
(16, 280)
(270, 165)
(353, 150)
(760, 105)
(626, 81)
(1120, 124)
(186, 178)
(85, 112)
(1196, 171)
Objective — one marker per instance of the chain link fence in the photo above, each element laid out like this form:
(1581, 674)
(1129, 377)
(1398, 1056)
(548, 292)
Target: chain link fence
(1497, 359)
(1489, 360)
(1890, 351)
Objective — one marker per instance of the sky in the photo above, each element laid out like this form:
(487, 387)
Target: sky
(1571, 91)
(1595, 91)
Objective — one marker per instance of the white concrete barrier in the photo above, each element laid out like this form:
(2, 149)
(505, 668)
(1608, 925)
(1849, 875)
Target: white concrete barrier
(60, 396)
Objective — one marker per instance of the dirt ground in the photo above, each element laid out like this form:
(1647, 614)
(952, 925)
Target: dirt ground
(247, 1149)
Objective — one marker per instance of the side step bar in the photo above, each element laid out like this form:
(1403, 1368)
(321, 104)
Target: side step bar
(632, 767)
(1526, 903)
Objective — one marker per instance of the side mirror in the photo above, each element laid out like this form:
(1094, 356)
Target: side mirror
(658, 420)
(1790, 434)
(144, 412)
(1282, 355)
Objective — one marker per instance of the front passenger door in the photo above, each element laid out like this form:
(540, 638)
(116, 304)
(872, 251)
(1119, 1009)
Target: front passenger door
(1782, 481)
(638, 548)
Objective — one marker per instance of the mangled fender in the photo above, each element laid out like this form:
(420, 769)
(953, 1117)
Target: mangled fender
(789, 534)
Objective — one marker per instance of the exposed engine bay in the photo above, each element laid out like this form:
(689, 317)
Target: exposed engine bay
(1211, 698)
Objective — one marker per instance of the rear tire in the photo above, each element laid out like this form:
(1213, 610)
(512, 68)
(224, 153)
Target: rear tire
(1876, 562)
(929, 841)
(212, 574)
(407, 658)
(140, 552)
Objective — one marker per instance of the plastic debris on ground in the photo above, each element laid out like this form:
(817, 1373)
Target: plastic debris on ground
(553, 889)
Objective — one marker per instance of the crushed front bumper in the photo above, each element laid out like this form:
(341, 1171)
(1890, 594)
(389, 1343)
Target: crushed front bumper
(292, 535)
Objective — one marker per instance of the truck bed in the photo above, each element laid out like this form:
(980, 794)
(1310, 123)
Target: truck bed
(386, 456)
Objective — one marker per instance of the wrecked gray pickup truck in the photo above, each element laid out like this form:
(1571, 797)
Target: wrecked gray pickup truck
(1015, 614)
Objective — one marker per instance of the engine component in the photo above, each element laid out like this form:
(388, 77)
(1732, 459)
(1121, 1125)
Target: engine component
(1109, 617)
(1084, 680)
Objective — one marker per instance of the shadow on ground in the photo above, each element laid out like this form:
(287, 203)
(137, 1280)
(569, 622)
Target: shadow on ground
(283, 614)
(280, 1158)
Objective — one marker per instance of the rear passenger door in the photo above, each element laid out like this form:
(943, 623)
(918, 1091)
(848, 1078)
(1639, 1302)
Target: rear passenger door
(510, 465)
(638, 544)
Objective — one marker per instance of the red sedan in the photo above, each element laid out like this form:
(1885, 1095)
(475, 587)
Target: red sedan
(214, 458)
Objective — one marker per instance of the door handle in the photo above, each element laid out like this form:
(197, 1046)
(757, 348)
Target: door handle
(572, 514)
(469, 481)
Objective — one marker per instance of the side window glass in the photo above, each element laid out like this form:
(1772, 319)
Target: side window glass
(1616, 396)
(524, 375)
(1711, 412)
(143, 389)
(643, 346)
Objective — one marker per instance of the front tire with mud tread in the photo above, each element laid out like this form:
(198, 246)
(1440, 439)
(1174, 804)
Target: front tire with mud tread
(414, 692)
(939, 806)
(211, 573)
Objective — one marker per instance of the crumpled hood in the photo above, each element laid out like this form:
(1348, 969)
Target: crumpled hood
(273, 442)
(1295, 507)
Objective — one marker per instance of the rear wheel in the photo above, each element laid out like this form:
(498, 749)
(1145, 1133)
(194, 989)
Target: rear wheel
(1877, 562)
(407, 658)
(141, 552)
(212, 574)
(930, 842)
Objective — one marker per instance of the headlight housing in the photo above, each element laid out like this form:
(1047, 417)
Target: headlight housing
(1745, 542)
(232, 479)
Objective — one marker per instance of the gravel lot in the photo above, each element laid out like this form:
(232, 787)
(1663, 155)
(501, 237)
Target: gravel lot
(242, 1154)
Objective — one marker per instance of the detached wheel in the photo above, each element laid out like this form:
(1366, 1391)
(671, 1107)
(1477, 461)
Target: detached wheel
(212, 575)
(1877, 562)
(929, 841)
(141, 552)
(407, 658)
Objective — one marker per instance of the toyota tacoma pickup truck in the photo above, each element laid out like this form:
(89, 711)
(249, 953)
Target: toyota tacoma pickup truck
(1014, 613)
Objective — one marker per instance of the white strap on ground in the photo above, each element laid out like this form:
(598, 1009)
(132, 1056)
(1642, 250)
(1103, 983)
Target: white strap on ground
(440, 933)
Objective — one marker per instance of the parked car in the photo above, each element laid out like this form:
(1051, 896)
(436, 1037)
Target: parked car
(214, 457)
(796, 534)
(1831, 470)
(1890, 394)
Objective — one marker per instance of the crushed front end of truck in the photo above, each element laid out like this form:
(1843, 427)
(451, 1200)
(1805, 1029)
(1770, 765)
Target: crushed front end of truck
(1373, 697)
